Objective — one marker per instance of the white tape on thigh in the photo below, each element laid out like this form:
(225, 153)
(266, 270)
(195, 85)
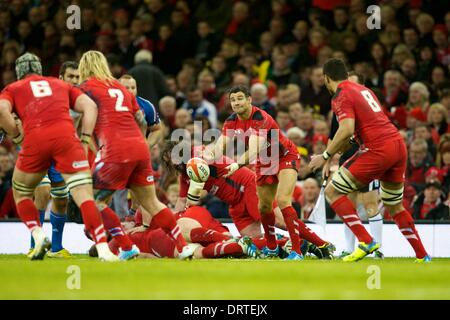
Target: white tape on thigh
(59, 192)
(391, 197)
(78, 179)
(22, 189)
(342, 182)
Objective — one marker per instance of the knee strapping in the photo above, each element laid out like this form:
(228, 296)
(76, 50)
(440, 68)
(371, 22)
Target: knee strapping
(391, 197)
(78, 179)
(59, 192)
(22, 189)
(343, 183)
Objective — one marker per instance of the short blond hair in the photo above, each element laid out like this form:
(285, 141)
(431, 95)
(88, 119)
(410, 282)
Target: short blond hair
(93, 64)
(439, 107)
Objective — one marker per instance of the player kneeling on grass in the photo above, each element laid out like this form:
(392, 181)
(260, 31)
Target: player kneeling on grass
(42, 104)
(382, 156)
(153, 242)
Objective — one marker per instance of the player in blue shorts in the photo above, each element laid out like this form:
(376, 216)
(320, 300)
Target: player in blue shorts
(53, 184)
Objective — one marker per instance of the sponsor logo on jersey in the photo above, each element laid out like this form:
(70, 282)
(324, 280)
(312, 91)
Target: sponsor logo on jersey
(80, 164)
(150, 179)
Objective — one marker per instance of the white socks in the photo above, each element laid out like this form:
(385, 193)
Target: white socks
(376, 227)
(349, 239)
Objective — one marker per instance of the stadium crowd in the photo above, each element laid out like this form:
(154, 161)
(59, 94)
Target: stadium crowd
(185, 54)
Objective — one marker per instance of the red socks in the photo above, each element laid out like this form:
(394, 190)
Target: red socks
(112, 223)
(406, 225)
(260, 243)
(166, 221)
(92, 221)
(268, 222)
(216, 250)
(28, 213)
(344, 208)
(292, 223)
(207, 236)
(309, 235)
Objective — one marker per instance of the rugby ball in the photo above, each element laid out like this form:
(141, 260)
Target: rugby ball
(197, 169)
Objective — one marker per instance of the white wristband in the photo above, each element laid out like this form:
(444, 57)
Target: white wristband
(326, 155)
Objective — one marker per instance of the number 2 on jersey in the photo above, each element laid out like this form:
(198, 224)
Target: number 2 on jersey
(371, 101)
(116, 93)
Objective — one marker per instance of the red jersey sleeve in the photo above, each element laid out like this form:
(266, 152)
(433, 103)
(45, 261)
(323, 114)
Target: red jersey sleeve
(184, 186)
(134, 105)
(228, 129)
(6, 94)
(74, 93)
(343, 105)
(261, 124)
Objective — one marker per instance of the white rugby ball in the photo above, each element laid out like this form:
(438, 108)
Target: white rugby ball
(197, 169)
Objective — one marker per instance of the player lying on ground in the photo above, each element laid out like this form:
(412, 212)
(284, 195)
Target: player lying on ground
(382, 156)
(42, 104)
(153, 242)
(124, 158)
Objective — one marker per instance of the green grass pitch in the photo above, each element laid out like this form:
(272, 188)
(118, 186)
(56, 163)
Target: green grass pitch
(223, 279)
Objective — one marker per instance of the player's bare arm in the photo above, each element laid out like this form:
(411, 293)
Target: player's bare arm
(140, 120)
(156, 135)
(7, 122)
(88, 108)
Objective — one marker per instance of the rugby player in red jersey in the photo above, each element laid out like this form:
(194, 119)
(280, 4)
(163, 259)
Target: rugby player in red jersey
(42, 104)
(124, 158)
(238, 191)
(277, 162)
(382, 156)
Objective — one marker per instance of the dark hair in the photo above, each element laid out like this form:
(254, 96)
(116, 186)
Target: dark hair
(335, 69)
(239, 88)
(66, 65)
(361, 78)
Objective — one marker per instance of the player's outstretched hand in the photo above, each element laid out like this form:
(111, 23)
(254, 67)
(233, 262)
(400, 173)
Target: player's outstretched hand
(317, 162)
(231, 169)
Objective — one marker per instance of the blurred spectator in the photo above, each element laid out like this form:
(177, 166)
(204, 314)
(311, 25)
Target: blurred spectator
(207, 42)
(297, 136)
(305, 122)
(295, 109)
(167, 110)
(182, 118)
(423, 132)
(419, 162)
(125, 48)
(239, 26)
(430, 205)
(311, 191)
(283, 120)
(207, 85)
(149, 78)
(196, 104)
(316, 96)
(258, 92)
(437, 118)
